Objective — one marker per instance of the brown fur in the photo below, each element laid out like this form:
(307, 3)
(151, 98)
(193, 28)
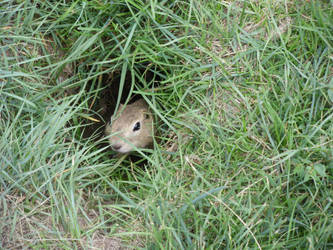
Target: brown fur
(122, 137)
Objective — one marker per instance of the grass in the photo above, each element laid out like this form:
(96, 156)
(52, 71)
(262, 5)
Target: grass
(243, 102)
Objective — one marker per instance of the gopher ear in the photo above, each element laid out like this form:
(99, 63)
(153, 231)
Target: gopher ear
(146, 114)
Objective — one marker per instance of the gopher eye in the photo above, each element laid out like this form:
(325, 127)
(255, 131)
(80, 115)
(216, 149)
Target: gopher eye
(147, 116)
(136, 126)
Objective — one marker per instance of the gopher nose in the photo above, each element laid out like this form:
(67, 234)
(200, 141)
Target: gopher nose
(116, 147)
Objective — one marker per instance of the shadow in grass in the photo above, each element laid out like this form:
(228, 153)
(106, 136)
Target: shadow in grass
(107, 91)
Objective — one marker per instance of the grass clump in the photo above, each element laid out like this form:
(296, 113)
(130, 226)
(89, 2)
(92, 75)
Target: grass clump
(242, 93)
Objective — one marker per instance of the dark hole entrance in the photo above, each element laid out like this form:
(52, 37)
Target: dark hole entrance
(107, 97)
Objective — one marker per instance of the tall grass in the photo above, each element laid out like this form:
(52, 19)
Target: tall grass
(243, 105)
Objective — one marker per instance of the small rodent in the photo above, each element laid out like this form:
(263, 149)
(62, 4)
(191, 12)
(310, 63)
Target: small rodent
(132, 125)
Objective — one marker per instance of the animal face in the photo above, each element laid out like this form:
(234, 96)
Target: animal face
(131, 127)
